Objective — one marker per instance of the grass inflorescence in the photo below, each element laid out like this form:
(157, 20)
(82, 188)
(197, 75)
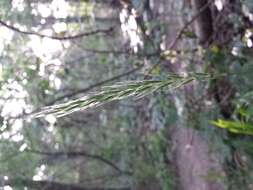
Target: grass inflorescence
(119, 91)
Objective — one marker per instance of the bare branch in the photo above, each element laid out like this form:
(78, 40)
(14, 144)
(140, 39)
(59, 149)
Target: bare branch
(15, 29)
(84, 154)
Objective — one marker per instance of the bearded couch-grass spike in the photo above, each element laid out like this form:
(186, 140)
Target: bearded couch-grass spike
(119, 91)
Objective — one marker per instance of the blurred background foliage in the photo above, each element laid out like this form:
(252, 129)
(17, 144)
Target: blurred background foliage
(126, 144)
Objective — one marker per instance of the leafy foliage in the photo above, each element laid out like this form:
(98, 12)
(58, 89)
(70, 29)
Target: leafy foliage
(130, 135)
(238, 127)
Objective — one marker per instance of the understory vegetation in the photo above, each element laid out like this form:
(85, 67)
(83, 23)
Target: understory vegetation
(126, 94)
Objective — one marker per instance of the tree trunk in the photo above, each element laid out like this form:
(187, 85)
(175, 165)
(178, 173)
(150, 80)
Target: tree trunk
(193, 160)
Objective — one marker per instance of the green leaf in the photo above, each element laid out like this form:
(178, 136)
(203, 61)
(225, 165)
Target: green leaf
(238, 127)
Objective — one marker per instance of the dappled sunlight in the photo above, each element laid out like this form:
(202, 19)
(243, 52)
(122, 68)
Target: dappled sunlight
(116, 94)
(60, 27)
(55, 81)
(23, 147)
(40, 173)
(246, 10)
(130, 28)
(57, 8)
(7, 187)
(235, 51)
(219, 4)
(248, 36)
(5, 38)
(60, 8)
(14, 133)
(18, 5)
(44, 48)
(15, 103)
(51, 119)
(44, 10)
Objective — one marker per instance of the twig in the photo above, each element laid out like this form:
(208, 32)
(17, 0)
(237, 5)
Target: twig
(15, 29)
(180, 33)
(81, 153)
(118, 52)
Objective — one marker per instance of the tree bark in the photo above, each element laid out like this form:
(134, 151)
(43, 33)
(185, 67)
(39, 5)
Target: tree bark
(193, 160)
(203, 24)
